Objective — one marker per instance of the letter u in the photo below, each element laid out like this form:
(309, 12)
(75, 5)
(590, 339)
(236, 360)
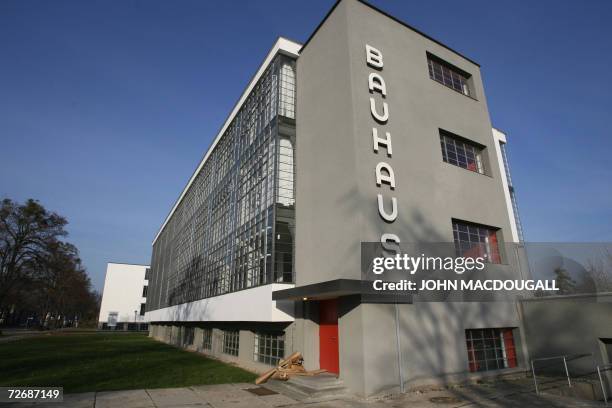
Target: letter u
(381, 209)
(380, 118)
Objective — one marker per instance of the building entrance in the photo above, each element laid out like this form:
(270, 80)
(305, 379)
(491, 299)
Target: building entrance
(328, 336)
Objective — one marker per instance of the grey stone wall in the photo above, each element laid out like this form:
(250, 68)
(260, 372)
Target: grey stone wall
(569, 325)
(336, 189)
(337, 193)
(171, 334)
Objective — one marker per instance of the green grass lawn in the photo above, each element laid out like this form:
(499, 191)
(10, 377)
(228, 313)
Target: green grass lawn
(107, 361)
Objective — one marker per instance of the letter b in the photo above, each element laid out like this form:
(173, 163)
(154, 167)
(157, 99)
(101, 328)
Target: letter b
(374, 57)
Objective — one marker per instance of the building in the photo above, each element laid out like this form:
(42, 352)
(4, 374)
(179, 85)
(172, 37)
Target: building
(370, 131)
(124, 297)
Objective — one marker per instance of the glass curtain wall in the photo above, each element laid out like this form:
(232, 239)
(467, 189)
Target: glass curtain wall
(234, 228)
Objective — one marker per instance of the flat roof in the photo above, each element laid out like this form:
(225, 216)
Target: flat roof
(338, 288)
(282, 46)
(392, 18)
(128, 263)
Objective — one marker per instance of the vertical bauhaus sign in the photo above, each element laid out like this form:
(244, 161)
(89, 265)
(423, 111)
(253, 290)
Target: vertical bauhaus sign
(381, 139)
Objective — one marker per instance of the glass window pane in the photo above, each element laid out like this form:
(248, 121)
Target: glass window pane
(448, 76)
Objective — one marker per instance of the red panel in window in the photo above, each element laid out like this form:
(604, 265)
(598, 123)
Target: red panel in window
(508, 340)
(472, 357)
(495, 257)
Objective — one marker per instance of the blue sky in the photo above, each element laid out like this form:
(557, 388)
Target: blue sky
(106, 107)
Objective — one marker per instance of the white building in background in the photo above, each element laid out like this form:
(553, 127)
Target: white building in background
(124, 297)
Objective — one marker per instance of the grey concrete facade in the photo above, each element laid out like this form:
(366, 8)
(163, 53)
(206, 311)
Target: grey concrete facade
(336, 206)
(577, 326)
(173, 334)
(334, 144)
(336, 160)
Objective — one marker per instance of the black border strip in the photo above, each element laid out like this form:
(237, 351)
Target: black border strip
(332, 288)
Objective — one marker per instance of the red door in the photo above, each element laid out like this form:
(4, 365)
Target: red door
(328, 336)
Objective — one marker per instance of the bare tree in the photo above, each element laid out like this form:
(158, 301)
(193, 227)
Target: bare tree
(26, 232)
(598, 275)
(41, 276)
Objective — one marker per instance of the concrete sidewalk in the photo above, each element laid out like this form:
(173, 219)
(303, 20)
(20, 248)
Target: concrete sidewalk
(9, 335)
(204, 396)
(237, 396)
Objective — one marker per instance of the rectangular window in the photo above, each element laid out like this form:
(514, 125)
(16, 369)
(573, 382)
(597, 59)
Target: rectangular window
(142, 309)
(144, 291)
(207, 339)
(448, 75)
(112, 318)
(269, 348)
(147, 273)
(490, 349)
(287, 89)
(188, 335)
(460, 152)
(475, 240)
(231, 342)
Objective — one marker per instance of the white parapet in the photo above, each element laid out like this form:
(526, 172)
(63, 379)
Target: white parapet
(248, 305)
(500, 139)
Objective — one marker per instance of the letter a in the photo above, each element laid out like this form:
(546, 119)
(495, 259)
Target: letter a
(377, 83)
(388, 178)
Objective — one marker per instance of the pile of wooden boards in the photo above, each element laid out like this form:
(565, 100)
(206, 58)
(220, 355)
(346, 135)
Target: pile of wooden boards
(292, 365)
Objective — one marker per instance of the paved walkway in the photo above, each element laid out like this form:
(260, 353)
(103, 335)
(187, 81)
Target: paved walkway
(237, 396)
(13, 335)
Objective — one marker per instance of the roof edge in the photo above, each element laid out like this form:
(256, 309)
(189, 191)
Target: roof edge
(127, 263)
(500, 135)
(283, 46)
(384, 13)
